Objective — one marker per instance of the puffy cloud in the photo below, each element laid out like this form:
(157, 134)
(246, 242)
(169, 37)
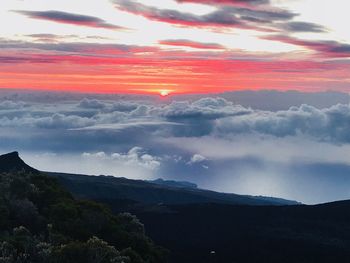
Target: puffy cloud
(329, 124)
(135, 163)
(205, 116)
(91, 104)
(197, 158)
(69, 18)
(124, 106)
(60, 121)
(11, 105)
(55, 121)
(136, 156)
(205, 108)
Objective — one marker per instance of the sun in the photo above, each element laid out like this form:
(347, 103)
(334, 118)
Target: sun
(164, 93)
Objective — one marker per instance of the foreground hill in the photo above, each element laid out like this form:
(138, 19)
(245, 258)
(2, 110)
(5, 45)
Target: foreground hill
(41, 222)
(253, 234)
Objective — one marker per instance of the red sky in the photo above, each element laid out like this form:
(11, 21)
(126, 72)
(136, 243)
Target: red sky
(178, 46)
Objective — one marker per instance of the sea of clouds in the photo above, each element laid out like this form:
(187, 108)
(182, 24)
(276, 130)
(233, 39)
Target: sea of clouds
(220, 142)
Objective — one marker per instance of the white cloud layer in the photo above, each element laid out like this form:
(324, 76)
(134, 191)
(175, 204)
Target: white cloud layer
(211, 141)
(206, 116)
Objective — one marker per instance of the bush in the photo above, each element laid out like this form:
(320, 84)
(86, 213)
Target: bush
(41, 222)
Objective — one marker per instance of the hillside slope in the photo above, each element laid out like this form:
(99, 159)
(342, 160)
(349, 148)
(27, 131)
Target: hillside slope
(40, 222)
(122, 190)
(111, 189)
(11, 162)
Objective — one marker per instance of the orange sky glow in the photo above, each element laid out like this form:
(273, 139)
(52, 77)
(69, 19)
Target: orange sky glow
(132, 46)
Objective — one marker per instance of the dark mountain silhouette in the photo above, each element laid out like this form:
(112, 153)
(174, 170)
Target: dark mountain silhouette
(11, 162)
(116, 189)
(171, 183)
(138, 192)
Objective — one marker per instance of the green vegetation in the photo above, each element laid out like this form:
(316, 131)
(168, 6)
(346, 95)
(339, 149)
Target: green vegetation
(41, 222)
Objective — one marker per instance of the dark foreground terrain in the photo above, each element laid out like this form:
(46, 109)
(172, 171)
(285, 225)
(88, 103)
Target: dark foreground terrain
(41, 222)
(196, 225)
(253, 234)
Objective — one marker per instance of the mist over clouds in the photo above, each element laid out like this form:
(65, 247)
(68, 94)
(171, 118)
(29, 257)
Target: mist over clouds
(298, 153)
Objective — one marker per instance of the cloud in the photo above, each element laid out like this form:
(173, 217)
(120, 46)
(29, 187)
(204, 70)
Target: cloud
(326, 48)
(91, 104)
(227, 16)
(272, 100)
(197, 158)
(202, 117)
(135, 156)
(330, 124)
(294, 27)
(55, 38)
(11, 105)
(266, 148)
(50, 37)
(55, 121)
(191, 44)
(136, 68)
(176, 17)
(69, 18)
(93, 49)
(205, 108)
(134, 163)
(108, 106)
(295, 168)
(124, 126)
(256, 15)
(220, 2)
(17, 59)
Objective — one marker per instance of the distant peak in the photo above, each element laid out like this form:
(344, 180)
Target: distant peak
(11, 162)
(11, 154)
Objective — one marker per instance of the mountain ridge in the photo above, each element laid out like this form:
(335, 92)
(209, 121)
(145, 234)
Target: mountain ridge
(139, 191)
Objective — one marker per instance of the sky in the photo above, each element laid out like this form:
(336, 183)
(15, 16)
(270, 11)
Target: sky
(174, 46)
(240, 96)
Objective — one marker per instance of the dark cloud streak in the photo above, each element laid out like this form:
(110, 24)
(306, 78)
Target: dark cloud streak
(220, 2)
(225, 16)
(69, 18)
(324, 47)
(302, 27)
(189, 43)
